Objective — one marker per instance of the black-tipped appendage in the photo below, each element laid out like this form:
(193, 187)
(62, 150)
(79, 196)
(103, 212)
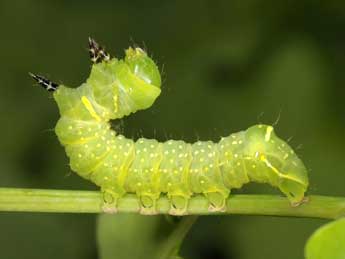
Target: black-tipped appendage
(97, 53)
(45, 83)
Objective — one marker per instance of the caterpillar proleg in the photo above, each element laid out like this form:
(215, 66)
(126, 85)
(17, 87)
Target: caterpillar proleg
(148, 168)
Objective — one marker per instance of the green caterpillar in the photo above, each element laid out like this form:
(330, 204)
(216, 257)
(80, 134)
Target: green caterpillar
(148, 168)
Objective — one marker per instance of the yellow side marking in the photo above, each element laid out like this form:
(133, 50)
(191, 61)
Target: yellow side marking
(268, 133)
(263, 158)
(89, 107)
(116, 99)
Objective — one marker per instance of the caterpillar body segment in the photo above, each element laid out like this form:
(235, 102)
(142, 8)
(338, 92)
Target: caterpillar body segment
(174, 168)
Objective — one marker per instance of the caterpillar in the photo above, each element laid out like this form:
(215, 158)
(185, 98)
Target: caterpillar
(148, 168)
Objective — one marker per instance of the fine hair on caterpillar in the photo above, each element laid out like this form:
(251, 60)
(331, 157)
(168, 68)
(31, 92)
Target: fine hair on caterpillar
(147, 167)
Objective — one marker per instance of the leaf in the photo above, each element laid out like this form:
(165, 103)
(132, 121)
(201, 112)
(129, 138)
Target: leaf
(127, 236)
(327, 242)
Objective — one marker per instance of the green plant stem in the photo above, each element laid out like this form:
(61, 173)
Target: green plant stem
(171, 246)
(36, 200)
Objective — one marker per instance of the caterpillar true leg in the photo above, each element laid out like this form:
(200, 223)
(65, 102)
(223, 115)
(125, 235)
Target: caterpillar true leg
(45, 83)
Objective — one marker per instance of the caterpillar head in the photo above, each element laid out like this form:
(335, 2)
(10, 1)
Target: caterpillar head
(115, 88)
(277, 161)
(125, 86)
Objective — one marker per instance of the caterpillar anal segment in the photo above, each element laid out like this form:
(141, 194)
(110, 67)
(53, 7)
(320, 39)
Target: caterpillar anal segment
(150, 168)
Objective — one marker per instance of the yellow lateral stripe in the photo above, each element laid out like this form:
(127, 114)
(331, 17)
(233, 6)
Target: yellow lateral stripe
(263, 158)
(89, 107)
(268, 133)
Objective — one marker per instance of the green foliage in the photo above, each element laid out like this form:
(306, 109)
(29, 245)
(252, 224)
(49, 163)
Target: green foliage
(127, 236)
(136, 236)
(328, 242)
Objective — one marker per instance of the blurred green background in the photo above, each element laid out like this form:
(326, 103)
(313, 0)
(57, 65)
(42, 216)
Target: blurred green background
(226, 65)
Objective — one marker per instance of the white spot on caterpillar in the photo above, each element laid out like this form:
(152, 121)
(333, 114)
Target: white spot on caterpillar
(256, 154)
(80, 155)
(70, 127)
(201, 159)
(202, 181)
(173, 151)
(180, 147)
(145, 149)
(79, 132)
(254, 166)
(238, 163)
(268, 133)
(234, 143)
(86, 146)
(236, 155)
(98, 145)
(286, 156)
